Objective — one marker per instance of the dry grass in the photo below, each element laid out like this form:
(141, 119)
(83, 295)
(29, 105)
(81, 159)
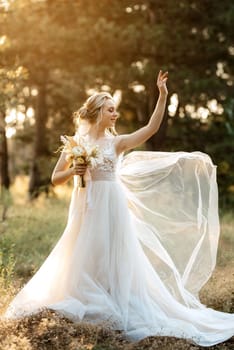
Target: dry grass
(40, 225)
(49, 331)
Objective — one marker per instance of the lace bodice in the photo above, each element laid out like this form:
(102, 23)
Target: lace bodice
(106, 169)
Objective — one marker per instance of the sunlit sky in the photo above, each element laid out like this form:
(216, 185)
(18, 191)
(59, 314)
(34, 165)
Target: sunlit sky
(5, 4)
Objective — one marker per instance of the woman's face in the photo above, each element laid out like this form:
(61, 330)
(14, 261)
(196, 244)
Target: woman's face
(109, 114)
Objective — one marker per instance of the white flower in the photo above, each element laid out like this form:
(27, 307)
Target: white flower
(77, 151)
(88, 148)
(81, 152)
(63, 139)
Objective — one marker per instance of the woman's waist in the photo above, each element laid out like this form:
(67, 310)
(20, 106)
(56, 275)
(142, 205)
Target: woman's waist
(102, 175)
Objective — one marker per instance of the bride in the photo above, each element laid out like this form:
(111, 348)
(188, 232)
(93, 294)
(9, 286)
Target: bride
(141, 237)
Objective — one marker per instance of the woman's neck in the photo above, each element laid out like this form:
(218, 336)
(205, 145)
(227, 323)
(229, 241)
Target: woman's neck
(95, 134)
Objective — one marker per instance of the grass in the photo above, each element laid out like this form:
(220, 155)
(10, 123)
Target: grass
(32, 228)
(28, 235)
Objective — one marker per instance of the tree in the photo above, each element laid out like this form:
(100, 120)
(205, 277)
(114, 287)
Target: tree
(34, 51)
(71, 47)
(10, 81)
(4, 169)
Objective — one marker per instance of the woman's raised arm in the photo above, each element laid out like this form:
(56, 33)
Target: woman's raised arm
(129, 141)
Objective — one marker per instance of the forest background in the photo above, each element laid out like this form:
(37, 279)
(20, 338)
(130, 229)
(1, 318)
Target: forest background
(55, 53)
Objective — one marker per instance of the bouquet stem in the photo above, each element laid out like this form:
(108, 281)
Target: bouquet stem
(82, 181)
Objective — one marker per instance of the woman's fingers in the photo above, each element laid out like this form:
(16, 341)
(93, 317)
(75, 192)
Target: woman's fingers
(80, 166)
(79, 169)
(161, 76)
(161, 82)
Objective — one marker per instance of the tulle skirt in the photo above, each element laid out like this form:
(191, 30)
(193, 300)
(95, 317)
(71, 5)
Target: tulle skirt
(135, 264)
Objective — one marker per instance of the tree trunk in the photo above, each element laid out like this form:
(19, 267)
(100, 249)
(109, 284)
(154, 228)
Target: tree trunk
(38, 174)
(4, 170)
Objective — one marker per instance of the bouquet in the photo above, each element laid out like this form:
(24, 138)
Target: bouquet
(81, 153)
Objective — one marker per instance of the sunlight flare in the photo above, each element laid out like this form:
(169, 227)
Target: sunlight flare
(174, 102)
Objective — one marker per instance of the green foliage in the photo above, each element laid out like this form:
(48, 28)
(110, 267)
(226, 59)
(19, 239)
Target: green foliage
(5, 203)
(225, 252)
(11, 82)
(32, 229)
(7, 263)
(72, 47)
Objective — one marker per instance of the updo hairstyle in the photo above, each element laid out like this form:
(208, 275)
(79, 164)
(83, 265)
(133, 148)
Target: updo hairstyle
(91, 108)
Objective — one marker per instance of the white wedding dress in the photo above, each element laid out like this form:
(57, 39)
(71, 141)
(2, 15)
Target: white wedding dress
(140, 242)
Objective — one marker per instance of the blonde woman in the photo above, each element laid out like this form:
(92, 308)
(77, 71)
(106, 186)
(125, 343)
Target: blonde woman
(141, 237)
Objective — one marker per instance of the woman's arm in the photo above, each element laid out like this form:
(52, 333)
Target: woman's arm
(126, 142)
(63, 172)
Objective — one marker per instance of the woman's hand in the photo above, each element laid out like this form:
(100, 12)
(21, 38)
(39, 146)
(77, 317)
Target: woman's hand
(161, 82)
(78, 169)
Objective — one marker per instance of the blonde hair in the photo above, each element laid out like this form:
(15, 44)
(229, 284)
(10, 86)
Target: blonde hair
(92, 109)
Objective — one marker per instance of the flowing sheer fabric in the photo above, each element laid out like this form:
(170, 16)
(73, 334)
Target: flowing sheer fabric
(175, 196)
(140, 242)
